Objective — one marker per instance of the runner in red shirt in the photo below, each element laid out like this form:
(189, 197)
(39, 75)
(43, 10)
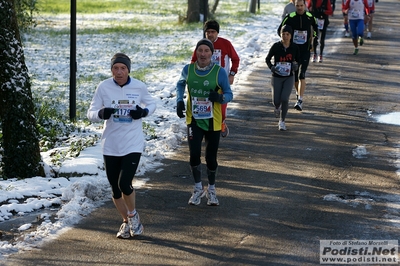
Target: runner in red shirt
(321, 9)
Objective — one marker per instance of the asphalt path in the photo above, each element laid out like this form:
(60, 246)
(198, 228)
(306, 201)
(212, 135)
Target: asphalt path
(271, 184)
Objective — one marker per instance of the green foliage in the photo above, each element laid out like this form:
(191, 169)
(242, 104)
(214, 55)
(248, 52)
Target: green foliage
(26, 10)
(8, 188)
(149, 131)
(154, 29)
(177, 57)
(95, 7)
(56, 130)
(140, 73)
(72, 148)
(51, 125)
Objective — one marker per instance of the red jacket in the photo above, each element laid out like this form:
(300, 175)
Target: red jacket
(371, 5)
(328, 9)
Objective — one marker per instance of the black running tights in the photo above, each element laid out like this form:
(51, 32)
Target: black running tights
(195, 139)
(120, 171)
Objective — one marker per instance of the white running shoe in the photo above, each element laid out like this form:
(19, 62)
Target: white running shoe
(314, 58)
(347, 34)
(299, 105)
(135, 226)
(197, 194)
(212, 198)
(320, 59)
(282, 126)
(124, 231)
(369, 35)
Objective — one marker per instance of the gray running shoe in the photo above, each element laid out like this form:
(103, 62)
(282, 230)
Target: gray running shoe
(136, 227)
(212, 198)
(282, 126)
(277, 112)
(124, 231)
(197, 194)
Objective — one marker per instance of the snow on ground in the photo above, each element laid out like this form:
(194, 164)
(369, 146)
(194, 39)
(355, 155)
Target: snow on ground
(82, 185)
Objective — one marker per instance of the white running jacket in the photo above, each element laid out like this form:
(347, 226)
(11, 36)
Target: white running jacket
(122, 134)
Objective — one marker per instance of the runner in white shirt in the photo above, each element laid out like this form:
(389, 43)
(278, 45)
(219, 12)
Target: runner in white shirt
(121, 102)
(355, 11)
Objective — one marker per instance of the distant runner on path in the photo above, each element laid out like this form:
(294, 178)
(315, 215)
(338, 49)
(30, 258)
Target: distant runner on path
(355, 11)
(321, 9)
(286, 55)
(304, 28)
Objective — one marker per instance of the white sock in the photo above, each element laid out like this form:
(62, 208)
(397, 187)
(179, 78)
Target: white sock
(300, 98)
(132, 213)
(211, 187)
(198, 185)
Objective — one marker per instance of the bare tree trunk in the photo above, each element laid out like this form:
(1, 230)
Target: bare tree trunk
(214, 8)
(193, 11)
(21, 153)
(252, 6)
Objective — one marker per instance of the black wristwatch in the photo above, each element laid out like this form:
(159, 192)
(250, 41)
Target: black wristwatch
(232, 73)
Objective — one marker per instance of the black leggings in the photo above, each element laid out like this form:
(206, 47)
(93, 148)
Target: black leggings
(322, 35)
(195, 139)
(303, 65)
(120, 171)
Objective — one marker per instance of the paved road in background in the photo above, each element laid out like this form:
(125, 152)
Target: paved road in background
(271, 184)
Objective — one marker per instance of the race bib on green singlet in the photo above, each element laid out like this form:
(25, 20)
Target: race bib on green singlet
(202, 108)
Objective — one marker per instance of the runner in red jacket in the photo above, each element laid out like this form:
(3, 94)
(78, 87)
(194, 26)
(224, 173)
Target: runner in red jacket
(321, 9)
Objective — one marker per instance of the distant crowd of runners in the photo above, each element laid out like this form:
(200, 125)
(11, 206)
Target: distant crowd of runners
(306, 21)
